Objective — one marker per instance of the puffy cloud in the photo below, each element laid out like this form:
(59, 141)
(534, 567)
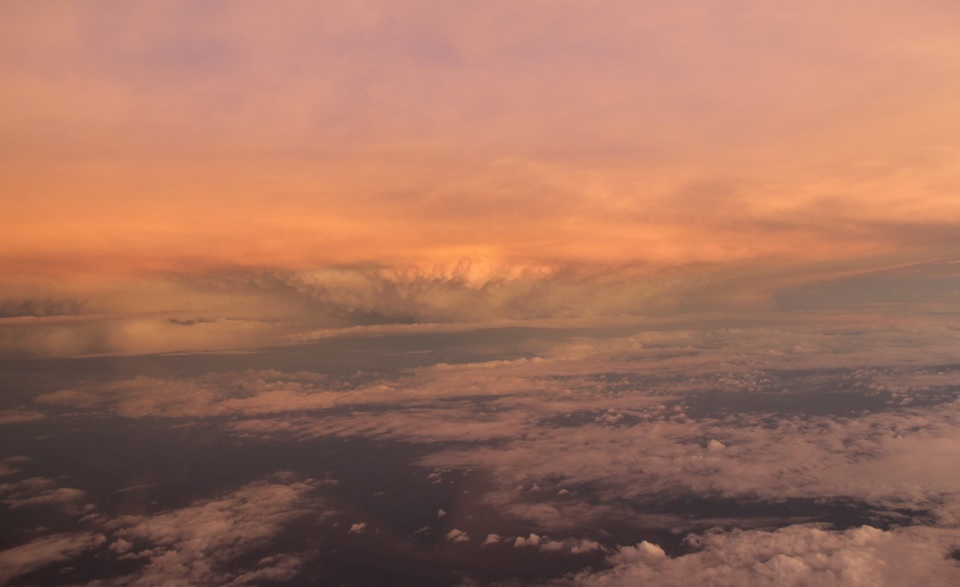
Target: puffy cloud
(532, 540)
(492, 539)
(820, 458)
(589, 428)
(621, 415)
(199, 544)
(795, 555)
(121, 546)
(609, 426)
(582, 546)
(566, 546)
(715, 445)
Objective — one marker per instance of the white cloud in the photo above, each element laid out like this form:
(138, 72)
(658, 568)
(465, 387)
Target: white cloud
(532, 540)
(570, 546)
(630, 435)
(492, 539)
(812, 458)
(801, 555)
(595, 424)
(197, 544)
(715, 445)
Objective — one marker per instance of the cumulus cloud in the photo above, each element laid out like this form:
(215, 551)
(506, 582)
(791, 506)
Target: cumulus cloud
(612, 414)
(532, 540)
(546, 544)
(817, 458)
(603, 428)
(795, 555)
(715, 445)
(121, 546)
(199, 544)
(492, 539)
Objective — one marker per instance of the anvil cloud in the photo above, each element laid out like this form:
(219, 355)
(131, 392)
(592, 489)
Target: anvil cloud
(182, 138)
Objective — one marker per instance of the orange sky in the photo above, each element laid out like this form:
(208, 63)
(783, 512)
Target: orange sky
(189, 137)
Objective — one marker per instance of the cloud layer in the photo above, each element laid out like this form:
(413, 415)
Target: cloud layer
(555, 132)
(640, 292)
(797, 555)
(806, 453)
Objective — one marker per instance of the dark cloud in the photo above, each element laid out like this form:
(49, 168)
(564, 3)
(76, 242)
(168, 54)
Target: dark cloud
(40, 308)
(915, 287)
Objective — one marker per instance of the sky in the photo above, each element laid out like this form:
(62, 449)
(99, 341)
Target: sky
(555, 292)
(549, 150)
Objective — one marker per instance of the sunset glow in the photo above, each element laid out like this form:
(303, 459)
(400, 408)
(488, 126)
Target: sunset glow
(164, 140)
(314, 222)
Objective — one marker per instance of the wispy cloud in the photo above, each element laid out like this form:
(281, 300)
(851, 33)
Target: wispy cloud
(34, 555)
